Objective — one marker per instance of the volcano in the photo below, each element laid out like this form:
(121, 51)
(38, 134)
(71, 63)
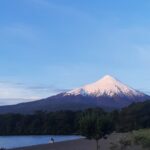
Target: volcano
(108, 93)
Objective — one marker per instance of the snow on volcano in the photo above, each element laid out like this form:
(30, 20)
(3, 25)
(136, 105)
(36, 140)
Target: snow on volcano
(107, 86)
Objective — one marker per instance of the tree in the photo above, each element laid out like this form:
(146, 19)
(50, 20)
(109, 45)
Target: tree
(94, 125)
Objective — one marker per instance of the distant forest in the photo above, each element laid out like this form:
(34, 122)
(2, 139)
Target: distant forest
(133, 117)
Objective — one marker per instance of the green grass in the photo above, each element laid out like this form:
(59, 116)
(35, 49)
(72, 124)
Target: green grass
(142, 137)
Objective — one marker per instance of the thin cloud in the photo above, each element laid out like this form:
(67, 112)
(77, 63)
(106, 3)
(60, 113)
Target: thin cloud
(12, 93)
(11, 101)
(147, 91)
(47, 88)
(144, 53)
(19, 30)
(63, 9)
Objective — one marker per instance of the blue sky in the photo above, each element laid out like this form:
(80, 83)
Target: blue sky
(49, 46)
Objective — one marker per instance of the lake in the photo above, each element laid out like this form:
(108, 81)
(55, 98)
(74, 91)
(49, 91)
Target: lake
(21, 141)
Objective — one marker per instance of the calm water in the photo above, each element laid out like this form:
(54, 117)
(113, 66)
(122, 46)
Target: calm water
(20, 141)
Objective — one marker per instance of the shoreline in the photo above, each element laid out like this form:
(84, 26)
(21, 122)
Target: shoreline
(80, 144)
(9, 142)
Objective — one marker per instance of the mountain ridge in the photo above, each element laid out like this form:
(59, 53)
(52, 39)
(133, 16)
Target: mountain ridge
(108, 93)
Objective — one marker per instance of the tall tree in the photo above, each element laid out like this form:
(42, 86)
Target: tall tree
(95, 126)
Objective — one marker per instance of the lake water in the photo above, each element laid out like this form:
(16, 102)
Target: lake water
(21, 141)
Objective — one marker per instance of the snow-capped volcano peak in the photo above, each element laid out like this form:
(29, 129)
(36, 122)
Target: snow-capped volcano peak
(107, 86)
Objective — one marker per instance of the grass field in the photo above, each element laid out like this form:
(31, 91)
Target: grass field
(142, 137)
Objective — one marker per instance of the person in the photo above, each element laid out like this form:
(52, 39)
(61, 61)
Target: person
(52, 140)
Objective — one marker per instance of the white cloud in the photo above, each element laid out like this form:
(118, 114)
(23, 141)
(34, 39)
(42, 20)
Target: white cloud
(11, 93)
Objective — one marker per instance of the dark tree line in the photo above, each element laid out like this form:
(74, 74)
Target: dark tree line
(63, 122)
(135, 116)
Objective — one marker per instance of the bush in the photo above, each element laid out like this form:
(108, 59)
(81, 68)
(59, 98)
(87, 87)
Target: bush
(142, 137)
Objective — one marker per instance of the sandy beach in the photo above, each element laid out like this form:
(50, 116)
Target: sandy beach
(82, 144)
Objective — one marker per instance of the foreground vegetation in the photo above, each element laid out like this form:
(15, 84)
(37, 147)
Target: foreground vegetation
(91, 123)
(142, 137)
